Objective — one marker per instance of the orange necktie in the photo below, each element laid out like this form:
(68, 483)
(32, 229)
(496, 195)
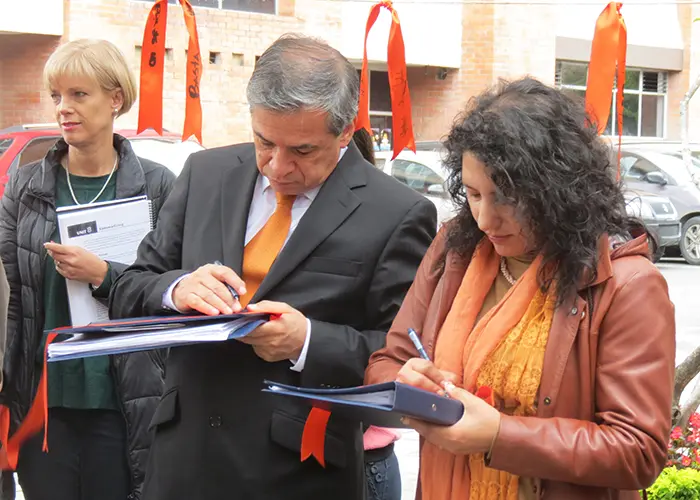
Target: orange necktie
(262, 250)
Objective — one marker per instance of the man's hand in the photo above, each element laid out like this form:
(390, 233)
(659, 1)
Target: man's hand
(75, 263)
(281, 338)
(205, 291)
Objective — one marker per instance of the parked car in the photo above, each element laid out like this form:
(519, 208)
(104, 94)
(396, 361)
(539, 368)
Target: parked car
(424, 172)
(24, 144)
(648, 168)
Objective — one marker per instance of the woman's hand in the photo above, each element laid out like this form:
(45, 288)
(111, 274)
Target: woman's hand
(423, 374)
(475, 432)
(75, 263)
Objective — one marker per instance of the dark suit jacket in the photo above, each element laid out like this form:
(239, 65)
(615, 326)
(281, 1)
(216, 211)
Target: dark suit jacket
(347, 267)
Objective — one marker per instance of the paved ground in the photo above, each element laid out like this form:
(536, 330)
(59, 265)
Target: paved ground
(684, 288)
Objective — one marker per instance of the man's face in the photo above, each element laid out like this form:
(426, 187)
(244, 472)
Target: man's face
(295, 151)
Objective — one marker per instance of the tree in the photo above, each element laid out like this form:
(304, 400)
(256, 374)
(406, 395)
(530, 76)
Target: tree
(685, 373)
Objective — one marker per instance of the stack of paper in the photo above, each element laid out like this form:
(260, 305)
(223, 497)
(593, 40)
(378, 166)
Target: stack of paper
(142, 334)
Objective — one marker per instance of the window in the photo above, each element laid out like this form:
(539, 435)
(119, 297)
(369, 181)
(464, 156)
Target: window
(5, 145)
(259, 6)
(644, 105)
(380, 110)
(415, 175)
(35, 150)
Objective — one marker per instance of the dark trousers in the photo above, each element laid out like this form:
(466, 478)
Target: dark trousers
(86, 459)
(383, 478)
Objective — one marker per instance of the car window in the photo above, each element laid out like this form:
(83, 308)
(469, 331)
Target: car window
(5, 145)
(415, 175)
(35, 150)
(635, 168)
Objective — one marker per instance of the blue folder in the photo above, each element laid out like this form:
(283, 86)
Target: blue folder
(381, 405)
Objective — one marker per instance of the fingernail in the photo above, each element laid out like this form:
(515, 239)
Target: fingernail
(243, 291)
(228, 310)
(449, 386)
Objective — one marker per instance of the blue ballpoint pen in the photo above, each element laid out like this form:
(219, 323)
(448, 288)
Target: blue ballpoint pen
(416, 342)
(230, 288)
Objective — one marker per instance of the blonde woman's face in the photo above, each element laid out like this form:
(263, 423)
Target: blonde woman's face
(83, 109)
(494, 217)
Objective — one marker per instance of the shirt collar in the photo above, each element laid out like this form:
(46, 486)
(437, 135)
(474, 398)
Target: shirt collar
(310, 194)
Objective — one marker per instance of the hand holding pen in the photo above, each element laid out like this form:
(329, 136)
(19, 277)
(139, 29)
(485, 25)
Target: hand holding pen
(422, 373)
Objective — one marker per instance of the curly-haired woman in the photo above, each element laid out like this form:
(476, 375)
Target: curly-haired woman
(540, 294)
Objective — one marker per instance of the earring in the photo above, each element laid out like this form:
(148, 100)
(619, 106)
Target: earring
(116, 111)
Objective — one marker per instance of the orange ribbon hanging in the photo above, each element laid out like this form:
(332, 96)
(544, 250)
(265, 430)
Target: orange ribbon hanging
(313, 439)
(152, 66)
(402, 123)
(608, 56)
(36, 418)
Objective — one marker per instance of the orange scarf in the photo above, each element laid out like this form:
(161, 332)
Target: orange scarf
(504, 351)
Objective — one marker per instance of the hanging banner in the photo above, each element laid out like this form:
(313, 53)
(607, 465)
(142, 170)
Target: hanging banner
(153, 64)
(608, 58)
(402, 123)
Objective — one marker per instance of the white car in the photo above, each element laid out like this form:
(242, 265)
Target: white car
(172, 154)
(423, 172)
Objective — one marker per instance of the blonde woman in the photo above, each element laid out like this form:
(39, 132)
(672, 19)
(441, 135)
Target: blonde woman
(99, 408)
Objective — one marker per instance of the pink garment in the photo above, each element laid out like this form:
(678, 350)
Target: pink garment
(379, 437)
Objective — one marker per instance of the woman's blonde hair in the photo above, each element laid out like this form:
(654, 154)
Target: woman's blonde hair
(98, 60)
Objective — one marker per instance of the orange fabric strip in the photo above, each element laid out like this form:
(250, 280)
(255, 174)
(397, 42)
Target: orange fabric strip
(152, 65)
(313, 439)
(401, 119)
(36, 418)
(608, 57)
(193, 104)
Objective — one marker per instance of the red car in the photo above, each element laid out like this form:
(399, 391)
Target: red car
(24, 144)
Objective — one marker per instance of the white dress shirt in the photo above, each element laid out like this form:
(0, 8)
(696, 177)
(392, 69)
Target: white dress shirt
(262, 207)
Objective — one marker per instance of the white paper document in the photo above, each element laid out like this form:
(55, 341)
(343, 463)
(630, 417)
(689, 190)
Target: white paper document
(111, 230)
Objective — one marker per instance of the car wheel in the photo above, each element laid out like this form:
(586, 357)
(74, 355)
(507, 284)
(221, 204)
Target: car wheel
(690, 241)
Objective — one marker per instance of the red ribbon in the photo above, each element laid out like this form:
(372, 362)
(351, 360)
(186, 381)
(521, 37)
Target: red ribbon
(152, 65)
(608, 56)
(402, 123)
(313, 439)
(36, 419)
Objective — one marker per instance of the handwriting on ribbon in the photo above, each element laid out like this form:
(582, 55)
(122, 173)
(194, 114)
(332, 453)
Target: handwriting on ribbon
(152, 67)
(402, 122)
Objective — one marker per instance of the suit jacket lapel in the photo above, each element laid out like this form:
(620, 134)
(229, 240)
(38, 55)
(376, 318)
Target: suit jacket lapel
(333, 204)
(237, 195)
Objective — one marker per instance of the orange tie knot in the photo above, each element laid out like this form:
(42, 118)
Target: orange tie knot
(285, 200)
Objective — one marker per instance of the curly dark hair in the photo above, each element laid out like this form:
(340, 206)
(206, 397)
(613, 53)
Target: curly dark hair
(545, 157)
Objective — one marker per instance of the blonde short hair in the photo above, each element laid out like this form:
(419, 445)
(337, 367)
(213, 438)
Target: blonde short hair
(99, 60)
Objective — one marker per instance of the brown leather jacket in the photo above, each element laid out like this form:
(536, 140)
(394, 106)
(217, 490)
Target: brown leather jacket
(604, 406)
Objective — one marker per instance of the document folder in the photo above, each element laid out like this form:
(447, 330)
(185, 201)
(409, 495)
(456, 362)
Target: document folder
(381, 405)
(142, 334)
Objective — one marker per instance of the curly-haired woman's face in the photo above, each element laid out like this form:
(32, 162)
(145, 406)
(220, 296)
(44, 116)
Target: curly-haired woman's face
(495, 218)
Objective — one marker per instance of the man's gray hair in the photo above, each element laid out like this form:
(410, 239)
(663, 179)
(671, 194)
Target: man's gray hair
(300, 72)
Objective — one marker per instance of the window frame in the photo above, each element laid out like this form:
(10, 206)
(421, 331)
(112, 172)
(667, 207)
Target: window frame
(639, 92)
(221, 7)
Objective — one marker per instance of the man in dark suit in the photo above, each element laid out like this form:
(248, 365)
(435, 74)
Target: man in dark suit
(306, 229)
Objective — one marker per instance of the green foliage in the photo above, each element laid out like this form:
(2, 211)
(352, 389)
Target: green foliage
(676, 484)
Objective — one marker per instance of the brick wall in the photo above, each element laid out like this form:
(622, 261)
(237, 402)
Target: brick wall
(678, 81)
(233, 39)
(24, 99)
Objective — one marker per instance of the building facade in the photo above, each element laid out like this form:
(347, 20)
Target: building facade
(453, 50)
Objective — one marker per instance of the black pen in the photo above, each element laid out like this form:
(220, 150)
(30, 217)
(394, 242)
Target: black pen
(230, 288)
